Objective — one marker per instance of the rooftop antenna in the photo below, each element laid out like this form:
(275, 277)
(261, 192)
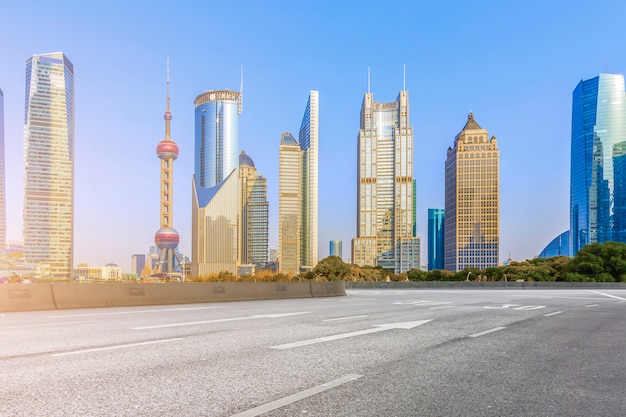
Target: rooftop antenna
(167, 81)
(404, 78)
(368, 80)
(240, 104)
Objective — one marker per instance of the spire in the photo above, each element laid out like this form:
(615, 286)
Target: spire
(368, 80)
(404, 78)
(471, 123)
(240, 104)
(167, 116)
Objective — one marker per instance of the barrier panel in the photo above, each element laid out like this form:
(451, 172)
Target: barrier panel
(328, 289)
(26, 297)
(94, 295)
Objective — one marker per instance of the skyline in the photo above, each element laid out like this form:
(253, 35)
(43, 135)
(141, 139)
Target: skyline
(454, 63)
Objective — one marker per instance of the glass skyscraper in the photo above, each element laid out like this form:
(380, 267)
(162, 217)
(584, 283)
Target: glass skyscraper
(216, 136)
(335, 248)
(298, 194)
(253, 226)
(385, 221)
(598, 162)
(472, 198)
(49, 164)
(3, 219)
(436, 219)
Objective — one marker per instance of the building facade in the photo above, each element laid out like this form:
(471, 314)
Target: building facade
(436, 221)
(3, 218)
(335, 248)
(385, 202)
(49, 163)
(598, 162)
(558, 247)
(472, 195)
(298, 194)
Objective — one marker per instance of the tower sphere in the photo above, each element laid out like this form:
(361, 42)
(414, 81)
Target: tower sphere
(167, 115)
(167, 149)
(166, 238)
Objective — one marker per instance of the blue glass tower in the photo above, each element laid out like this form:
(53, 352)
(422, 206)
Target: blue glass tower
(598, 162)
(436, 218)
(216, 136)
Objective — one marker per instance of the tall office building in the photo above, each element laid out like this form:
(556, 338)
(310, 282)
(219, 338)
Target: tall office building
(335, 248)
(471, 227)
(215, 184)
(598, 162)
(230, 222)
(253, 224)
(49, 164)
(137, 262)
(3, 221)
(385, 225)
(216, 136)
(298, 194)
(436, 221)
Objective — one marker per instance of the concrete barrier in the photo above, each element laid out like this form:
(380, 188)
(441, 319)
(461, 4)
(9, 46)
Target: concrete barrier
(23, 297)
(26, 297)
(94, 295)
(482, 285)
(328, 289)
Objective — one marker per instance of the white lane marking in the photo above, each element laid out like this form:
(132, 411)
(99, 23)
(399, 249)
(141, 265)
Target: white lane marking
(422, 303)
(592, 305)
(495, 329)
(529, 308)
(554, 313)
(27, 326)
(192, 323)
(609, 295)
(504, 306)
(262, 409)
(378, 328)
(435, 308)
(77, 352)
(346, 318)
(115, 313)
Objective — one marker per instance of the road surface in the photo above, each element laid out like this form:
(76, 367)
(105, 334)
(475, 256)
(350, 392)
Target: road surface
(372, 353)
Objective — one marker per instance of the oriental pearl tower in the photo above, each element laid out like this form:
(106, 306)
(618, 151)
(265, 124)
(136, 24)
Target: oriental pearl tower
(166, 238)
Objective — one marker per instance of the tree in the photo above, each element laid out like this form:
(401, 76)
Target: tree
(600, 262)
(332, 267)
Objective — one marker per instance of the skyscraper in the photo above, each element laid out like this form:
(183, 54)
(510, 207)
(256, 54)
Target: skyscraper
(335, 248)
(49, 164)
(598, 162)
(436, 221)
(3, 221)
(385, 232)
(471, 227)
(138, 261)
(253, 225)
(215, 205)
(298, 194)
(230, 222)
(216, 136)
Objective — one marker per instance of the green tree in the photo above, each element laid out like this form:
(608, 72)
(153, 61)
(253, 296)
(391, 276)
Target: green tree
(332, 267)
(600, 262)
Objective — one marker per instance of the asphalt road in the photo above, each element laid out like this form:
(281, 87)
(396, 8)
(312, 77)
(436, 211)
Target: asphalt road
(372, 353)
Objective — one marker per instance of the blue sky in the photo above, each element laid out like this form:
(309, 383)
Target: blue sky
(513, 64)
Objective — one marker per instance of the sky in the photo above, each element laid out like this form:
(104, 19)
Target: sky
(513, 64)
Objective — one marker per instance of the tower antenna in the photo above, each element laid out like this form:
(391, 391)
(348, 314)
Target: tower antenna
(240, 104)
(404, 78)
(167, 81)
